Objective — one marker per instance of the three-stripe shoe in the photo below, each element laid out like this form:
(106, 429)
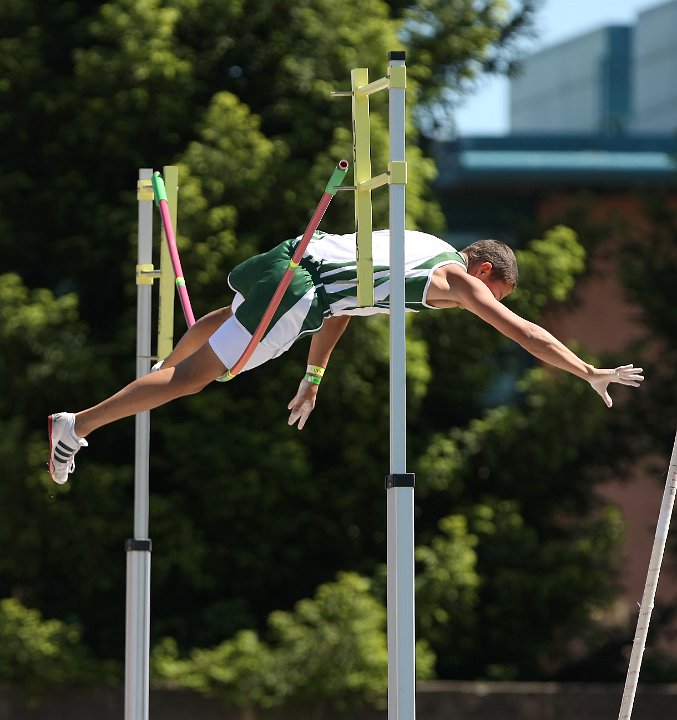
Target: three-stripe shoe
(63, 445)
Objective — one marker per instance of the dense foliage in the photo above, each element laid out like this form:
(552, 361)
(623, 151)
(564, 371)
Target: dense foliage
(249, 516)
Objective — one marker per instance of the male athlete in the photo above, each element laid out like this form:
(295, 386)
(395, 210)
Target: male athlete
(320, 300)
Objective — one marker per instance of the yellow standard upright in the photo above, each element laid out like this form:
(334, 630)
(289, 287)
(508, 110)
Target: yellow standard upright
(361, 89)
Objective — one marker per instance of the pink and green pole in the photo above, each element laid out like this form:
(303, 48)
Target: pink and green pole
(335, 181)
(161, 201)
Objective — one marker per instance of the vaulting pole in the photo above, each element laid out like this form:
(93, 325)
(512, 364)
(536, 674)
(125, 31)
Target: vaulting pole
(330, 190)
(161, 200)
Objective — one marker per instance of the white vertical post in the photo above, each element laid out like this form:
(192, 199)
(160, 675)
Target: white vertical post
(137, 644)
(400, 484)
(646, 607)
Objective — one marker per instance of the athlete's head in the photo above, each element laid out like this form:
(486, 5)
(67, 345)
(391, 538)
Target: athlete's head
(494, 263)
(501, 257)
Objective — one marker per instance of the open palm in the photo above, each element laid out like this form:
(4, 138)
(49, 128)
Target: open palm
(624, 374)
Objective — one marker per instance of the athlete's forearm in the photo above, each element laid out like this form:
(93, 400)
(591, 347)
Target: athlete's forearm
(323, 342)
(321, 347)
(545, 346)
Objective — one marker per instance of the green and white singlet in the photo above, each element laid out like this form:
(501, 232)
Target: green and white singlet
(324, 284)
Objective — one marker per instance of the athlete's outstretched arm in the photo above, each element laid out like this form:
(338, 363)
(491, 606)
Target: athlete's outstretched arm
(472, 294)
(321, 347)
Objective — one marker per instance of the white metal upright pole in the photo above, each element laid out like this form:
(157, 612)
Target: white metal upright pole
(646, 607)
(399, 484)
(137, 647)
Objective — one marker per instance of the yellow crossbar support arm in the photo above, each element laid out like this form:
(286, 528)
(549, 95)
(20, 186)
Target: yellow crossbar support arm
(374, 87)
(375, 182)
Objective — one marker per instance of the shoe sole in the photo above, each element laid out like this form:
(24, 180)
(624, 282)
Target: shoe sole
(50, 432)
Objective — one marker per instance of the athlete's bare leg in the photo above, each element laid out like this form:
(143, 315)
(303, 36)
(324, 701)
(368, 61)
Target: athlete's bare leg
(197, 335)
(189, 376)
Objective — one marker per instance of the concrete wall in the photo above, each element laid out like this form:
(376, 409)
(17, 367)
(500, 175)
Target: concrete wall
(435, 701)
(615, 78)
(655, 69)
(559, 88)
(578, 86)
(539, 701)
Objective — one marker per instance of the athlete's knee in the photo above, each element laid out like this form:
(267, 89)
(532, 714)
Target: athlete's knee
(196, 372)
(188, 380)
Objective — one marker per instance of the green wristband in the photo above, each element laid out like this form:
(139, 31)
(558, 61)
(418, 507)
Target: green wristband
(312, 379)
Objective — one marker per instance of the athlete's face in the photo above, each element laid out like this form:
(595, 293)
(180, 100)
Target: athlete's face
(500, 289)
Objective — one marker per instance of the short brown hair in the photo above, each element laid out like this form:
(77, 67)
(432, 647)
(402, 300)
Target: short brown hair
(500, 255)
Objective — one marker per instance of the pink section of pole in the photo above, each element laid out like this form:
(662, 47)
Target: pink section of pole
(315, 220)
(161, 201)
(176, 263)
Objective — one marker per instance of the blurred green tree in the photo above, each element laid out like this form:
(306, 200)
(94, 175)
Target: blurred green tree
(247, 515)
(328, 651)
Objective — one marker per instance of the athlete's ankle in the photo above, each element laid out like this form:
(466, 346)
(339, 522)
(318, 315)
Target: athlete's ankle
(80, 427)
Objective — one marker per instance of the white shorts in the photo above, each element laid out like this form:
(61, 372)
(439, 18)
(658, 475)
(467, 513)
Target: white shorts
(231, 340)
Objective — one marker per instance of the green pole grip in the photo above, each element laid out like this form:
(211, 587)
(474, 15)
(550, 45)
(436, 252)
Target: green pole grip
(337, 177)
(159, 188)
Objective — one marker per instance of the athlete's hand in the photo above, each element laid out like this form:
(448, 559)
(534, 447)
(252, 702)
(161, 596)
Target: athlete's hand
(303, 403)
(625, 375)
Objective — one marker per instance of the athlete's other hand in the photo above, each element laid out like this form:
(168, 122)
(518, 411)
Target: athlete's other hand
(302, 403)
(625, 375)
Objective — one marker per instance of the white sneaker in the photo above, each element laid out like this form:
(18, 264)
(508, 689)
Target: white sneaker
(63, 445)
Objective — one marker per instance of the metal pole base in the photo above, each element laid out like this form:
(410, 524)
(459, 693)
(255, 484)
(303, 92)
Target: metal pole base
(137, 648)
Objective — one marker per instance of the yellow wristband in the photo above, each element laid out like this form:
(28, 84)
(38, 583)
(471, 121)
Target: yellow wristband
(315, 370)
